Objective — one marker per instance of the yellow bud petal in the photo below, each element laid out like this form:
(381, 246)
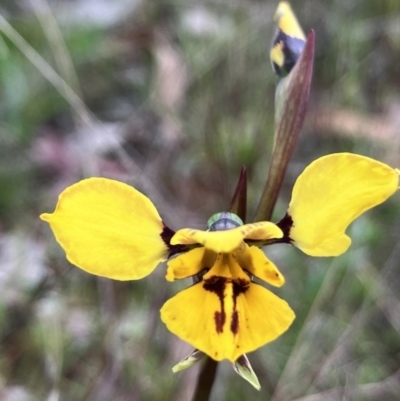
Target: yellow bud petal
(287, 21)
(289, 40)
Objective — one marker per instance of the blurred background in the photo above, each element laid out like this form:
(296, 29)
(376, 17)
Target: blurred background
(173, 97)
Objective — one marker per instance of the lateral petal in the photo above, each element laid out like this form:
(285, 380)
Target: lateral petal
(332, 192)
(109, 229)
(254, 260)
(190, 263)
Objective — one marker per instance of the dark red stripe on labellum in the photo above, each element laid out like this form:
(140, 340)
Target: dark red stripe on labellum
(240, 286)
(217, 285)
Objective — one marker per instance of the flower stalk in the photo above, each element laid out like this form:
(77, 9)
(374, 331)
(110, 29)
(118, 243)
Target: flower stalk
(206, 380)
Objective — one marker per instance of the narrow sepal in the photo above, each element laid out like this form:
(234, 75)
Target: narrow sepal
(238, 203)
(243, 368)
(187, 362)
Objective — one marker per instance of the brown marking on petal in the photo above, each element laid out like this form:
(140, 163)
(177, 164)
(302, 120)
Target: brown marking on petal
(267, 272)
(166, 236)
(219, 318)
(235, 322)
(286, 225)
(240, 286)
(217, 285)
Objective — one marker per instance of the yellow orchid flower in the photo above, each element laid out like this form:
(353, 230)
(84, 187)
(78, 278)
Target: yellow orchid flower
(110, 229)
(231, 315)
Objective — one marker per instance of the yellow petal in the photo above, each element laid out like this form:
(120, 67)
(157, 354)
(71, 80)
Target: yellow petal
(229, 240)
(190, 263)
(257, 264)
(262, 230)
(287, 21)
(109, 229)
(225, 319)
(332, 192)
(226, 266)
(289, 40)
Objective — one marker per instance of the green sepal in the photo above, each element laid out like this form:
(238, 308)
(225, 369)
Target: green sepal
(243, 368)
(189, 361)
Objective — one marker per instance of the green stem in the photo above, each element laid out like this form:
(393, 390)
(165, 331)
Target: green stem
(206, 380)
